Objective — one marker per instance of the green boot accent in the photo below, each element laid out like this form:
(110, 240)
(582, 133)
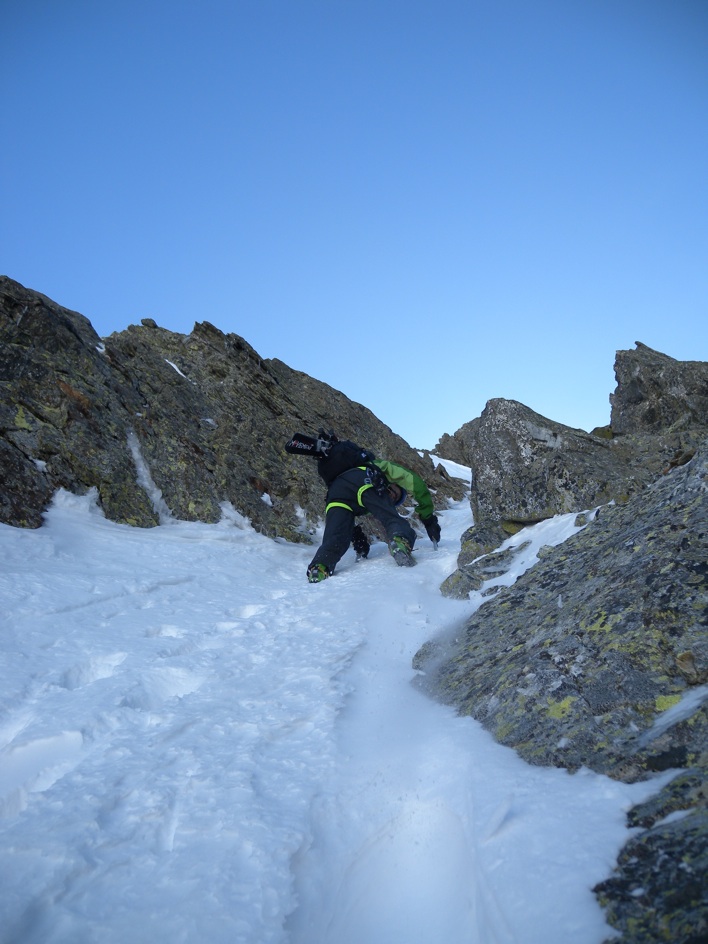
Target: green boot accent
(316, 573)
(401, 552)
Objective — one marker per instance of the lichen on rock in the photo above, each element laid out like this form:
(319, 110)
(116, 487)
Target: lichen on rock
(583, 685)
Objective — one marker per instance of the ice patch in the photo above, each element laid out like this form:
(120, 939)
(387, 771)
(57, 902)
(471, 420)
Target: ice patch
(175, 367)
(691, 701)
(145, 481)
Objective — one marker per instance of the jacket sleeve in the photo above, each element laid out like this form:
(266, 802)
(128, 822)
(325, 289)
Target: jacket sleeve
(413, 484)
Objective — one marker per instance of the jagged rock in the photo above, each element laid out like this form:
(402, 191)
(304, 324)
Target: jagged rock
(659, 892)
(474, 543)
(574, 663)
(204, 412)
(596, 635)
(655, 392)
(62, 410)
(526, 467)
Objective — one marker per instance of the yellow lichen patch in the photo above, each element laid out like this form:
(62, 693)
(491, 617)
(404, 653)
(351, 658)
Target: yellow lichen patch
(504, 730)
(603, 622)
(559, 709)
(21, 421)
(666, 701)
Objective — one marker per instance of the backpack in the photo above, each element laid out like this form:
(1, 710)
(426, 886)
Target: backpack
(342, 456)
(333, 455)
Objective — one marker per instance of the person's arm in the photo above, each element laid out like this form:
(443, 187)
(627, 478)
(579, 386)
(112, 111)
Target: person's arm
(413, 484)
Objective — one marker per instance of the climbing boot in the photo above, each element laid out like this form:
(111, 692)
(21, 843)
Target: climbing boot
(316, 573)
(401, 552)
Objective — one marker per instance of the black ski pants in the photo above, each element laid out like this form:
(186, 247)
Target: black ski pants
(348, 497)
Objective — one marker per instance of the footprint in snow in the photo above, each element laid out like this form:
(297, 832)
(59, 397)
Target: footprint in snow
(158, 685)
(34, 766)
(98, 667)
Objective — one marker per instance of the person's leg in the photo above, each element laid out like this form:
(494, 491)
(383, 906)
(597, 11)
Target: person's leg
(383, 509)
(339, 525)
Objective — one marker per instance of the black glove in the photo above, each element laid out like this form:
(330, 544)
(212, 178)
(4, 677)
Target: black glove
(432, 527)
(360, 542)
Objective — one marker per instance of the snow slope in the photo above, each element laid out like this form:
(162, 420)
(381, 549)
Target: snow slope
(197, 745)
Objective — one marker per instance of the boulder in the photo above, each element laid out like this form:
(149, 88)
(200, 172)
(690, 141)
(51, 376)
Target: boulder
(527, 468)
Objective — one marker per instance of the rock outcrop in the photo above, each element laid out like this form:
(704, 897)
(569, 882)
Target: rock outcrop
(656, 393)
(598, 657)
(526, 467)
(571, 663)
(202, 414)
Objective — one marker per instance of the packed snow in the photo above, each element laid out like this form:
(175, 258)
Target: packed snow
(198, 745)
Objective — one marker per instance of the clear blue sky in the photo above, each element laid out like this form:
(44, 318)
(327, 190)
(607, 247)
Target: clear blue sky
(424, 204)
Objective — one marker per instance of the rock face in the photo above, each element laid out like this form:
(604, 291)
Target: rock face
(655, 392)
(203, 415)
(526, 467)
(574, 665)
(598, 656)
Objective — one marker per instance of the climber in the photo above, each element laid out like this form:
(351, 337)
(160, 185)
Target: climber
(357, 484)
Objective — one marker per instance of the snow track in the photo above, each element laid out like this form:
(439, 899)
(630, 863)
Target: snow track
(197, 745)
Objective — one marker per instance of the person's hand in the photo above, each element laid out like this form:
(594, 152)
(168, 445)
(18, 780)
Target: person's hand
(432, 527)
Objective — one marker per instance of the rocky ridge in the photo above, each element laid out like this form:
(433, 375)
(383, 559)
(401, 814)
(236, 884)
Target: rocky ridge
(203, 414)
(598, 656)
(527, 467)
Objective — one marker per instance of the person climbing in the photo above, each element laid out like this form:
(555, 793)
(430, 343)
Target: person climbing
(358, 483)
